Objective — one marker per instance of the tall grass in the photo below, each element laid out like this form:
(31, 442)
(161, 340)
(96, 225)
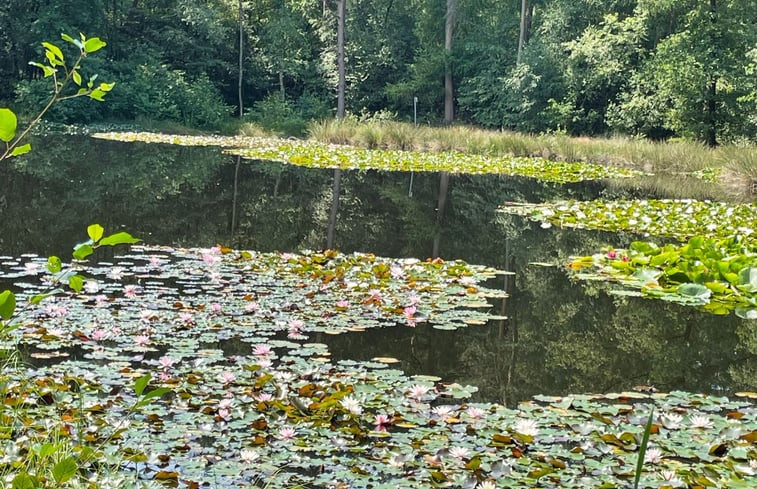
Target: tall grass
(736, 165)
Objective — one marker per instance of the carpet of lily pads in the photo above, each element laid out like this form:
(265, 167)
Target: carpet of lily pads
(715, 268)
(319, 155)
(255, 400)
(680, 219)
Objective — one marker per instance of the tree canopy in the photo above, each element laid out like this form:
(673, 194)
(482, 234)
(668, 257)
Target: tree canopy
(653, 68)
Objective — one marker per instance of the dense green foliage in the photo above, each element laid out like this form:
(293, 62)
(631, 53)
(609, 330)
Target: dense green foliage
(654, 68)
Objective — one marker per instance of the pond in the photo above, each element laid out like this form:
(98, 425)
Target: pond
(550, 334)
(560, 337)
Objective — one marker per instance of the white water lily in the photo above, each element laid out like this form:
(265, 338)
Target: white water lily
(703, 422)
(527, 427)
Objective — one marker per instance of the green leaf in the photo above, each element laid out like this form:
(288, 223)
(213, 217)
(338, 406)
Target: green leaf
(694, 290)
(67, 38)
(643, 449)
(95, 232)
(748, 278)
(97, 95)
(47, 449)
(8, 124)
(20, 150)
(55, 50)
(107, 87)
(148, 397)
(65, 470)
(77, 77)
(141, 383)
(76, 283)
(54, 265)
(119, 238)
(94, 44)
(24, 481)
(40, 297)
(49, 71)
(83, 250)
(7, 304)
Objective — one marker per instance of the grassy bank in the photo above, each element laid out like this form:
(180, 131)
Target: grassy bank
(732, 168)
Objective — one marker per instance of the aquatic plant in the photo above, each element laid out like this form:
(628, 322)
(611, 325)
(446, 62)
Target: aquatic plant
(717, 274)
(680, 219)
(251, 404)
(319, 155)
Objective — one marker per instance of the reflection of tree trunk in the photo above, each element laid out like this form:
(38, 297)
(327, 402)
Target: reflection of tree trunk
(340, 58)
(441, 204)
(277, 184)
(241, 41)
(334, 208)
(234, 198)
(449, 90)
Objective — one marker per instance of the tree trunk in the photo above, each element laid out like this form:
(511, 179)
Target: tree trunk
(340, 58)
(522, 37)
(281, 85)
(241, 46)
(449, 89)
(711, 104)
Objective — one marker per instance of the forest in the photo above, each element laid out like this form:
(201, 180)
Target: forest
(658, 69)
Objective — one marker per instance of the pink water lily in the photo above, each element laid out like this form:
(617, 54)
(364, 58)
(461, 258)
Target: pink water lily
(287, 433)
(226, 377)
(99, 335)
(141, 340)
(262, 350)
(130, 291)
(166, 362)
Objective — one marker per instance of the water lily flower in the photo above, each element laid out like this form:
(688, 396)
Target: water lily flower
(287, 433)
(352, 405)
(671, 477)
(210, 259)
(397, 272)
(442, 411)
(653, 456)
(166, 362)
(418, 391)
(55, 310)
(226, 377)
(224, 414)
(702, 422)
(409, 312)
(486, 485)
(130, 291)
(99, 335)
(342, 304)
(459, 452)
(116, 273)
(381, 420)
(413, 299)
(248, 455)
(672, 421)
(263, 396)
(612, 255)
(141, 340)
(91, 287)
(262, 350)
(154, 261)
(252, 307)
(215, 308)
(475, 412)
(527, 427)
(186, 318)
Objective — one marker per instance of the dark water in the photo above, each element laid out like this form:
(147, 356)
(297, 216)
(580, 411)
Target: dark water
(560, 337)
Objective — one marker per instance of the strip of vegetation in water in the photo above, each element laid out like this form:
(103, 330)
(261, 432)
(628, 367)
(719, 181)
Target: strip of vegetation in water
(319, 155)
(716, 269)
(279, 412)
(679, 219)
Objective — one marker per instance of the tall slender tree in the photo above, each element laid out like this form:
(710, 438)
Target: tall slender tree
(449, 89)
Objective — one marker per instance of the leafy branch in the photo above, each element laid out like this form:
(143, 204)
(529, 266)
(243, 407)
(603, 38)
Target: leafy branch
(62, 75)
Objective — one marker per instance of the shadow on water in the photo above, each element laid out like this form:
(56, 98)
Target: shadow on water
(560, 337)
